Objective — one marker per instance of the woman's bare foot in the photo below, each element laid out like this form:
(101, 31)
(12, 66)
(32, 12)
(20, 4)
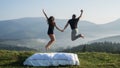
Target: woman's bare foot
(47, 47)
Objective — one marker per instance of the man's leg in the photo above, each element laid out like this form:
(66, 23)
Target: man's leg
(74, 35)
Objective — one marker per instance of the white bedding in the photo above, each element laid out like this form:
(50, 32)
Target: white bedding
(52, 59)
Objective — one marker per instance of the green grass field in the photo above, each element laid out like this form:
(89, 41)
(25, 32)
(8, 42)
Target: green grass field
(15, 59)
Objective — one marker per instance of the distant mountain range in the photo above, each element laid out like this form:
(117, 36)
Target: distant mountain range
(26, 28)
(15, 48)
(114, 39)
(36, 28)
(22, 28)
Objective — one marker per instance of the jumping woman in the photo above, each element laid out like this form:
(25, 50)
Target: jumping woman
(51, 25)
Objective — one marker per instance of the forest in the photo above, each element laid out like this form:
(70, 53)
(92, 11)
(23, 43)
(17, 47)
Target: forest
(108, 47)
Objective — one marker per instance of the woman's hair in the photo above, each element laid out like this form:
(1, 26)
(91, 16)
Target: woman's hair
(51, 18)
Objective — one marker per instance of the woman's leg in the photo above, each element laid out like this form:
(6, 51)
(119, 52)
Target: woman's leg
(52, 40)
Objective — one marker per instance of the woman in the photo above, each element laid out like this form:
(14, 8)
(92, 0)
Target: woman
(51, 24)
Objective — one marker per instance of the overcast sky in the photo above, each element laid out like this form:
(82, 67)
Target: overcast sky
(97, 11)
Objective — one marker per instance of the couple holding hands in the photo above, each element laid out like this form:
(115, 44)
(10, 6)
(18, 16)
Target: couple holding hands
(72, 22)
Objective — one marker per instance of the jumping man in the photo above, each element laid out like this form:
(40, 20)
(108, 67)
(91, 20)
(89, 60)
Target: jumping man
(73, 24)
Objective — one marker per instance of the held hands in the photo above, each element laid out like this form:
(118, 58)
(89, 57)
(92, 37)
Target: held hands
(62, 30)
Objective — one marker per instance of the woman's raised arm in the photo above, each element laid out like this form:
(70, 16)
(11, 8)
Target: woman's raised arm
(45, 14)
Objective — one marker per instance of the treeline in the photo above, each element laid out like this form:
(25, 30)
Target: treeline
(108, 47)
(15, 48)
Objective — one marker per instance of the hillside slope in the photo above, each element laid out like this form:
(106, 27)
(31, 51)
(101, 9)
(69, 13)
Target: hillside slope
(108, 47)
(114, 39)
(17, 48)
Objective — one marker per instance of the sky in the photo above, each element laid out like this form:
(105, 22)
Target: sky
(96, 11)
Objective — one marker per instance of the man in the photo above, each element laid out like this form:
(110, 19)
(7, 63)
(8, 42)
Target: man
(73, 24)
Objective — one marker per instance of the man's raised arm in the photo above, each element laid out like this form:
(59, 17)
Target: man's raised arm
(80, 14)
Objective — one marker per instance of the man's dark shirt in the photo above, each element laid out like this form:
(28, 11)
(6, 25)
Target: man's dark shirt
(73, 23)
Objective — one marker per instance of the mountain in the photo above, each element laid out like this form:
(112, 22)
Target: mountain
(112, 26)
(26, 28)
(22, 28)
(16, 48)
(30, 29)
(113, 23)
(36, 28)
(114, 39)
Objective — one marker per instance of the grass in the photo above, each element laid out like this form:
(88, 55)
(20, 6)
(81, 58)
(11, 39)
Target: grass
(15, 59)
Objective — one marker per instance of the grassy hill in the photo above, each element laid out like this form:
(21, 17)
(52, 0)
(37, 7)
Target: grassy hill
(15, 59)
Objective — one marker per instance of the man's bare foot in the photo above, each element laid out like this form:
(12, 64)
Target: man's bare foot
(82, 36)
